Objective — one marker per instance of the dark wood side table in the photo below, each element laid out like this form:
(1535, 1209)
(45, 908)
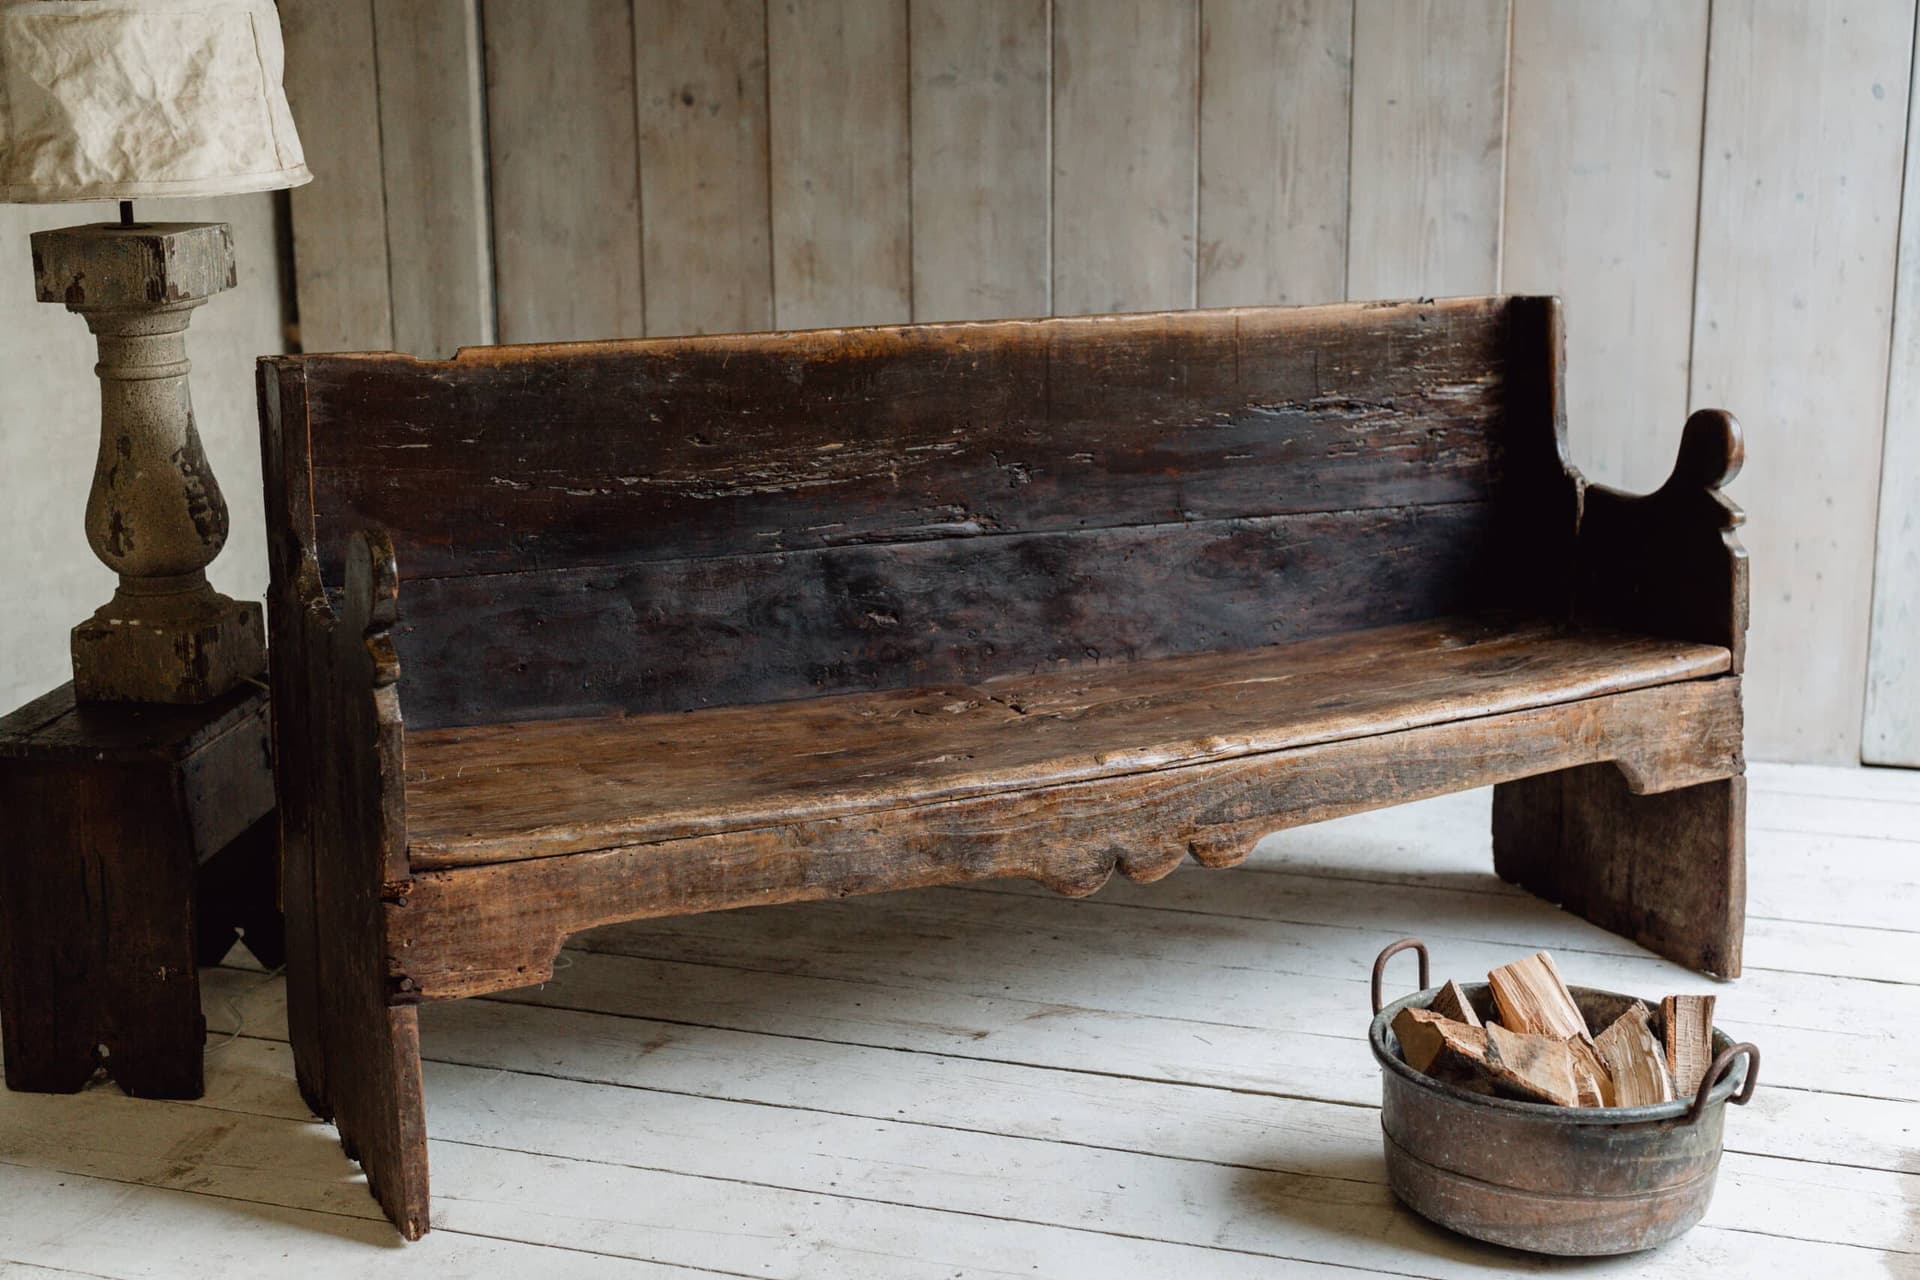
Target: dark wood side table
(136, 840)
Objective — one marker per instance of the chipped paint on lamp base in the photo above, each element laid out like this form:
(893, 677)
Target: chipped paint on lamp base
(155, 515)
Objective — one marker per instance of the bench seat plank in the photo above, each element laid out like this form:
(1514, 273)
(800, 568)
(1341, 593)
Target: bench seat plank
(507, 792)
(1673, 750)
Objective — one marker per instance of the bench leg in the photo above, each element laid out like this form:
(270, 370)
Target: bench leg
(356, 1057)
(378, 1109)
(1666, 870)
(96, 930)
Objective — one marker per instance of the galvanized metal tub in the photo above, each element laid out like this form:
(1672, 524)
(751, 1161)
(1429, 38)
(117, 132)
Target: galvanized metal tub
(1572, 1181)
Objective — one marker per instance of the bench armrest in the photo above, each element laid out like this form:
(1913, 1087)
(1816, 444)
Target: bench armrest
(336, 692)
(1670, 563)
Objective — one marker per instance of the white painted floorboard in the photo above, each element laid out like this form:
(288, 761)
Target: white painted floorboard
(1162, 1080)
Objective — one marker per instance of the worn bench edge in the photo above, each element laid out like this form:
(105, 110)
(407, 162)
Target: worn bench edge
(509, 353)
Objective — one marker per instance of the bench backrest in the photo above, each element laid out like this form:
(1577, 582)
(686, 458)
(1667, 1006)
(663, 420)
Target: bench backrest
(665, 524)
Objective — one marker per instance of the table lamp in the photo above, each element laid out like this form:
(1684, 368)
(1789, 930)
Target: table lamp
(136, 99)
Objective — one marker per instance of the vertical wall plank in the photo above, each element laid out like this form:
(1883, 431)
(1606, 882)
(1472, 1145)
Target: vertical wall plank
(1891, 733)
(837, 90)
(1429, 106)
(1799, 201)
(1603, 184)
(981, 163)
(1275, 94)
(1125, 120)
(433, 159)
(340, 218)
(701, 67)
(564, 179)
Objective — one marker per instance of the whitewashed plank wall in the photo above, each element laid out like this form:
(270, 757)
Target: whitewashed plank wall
(564, 168)
(433, 160)
(1429, 105)
(1892, 732)
(1712, 185)
(1793, 299)
(704, 211)
(981, 94)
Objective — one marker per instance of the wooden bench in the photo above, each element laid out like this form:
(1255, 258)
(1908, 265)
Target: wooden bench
(570, 635)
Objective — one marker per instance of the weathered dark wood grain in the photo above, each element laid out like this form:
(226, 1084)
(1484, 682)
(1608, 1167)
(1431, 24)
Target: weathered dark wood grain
(540, 788)
(340, 754)
(469, 930)
(122, 856)
(298, 685)
(1670, 563)
(1669, 872)
(353, 837)
(96, 894)
(705, 623)
(694, 633)
(603, 453)
(1537, 495)
(57, 726)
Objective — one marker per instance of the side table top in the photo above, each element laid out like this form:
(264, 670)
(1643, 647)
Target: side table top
(55, 726)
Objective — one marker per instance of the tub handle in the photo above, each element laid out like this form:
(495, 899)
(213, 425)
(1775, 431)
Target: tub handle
(1394, 949)
(1721, 1065)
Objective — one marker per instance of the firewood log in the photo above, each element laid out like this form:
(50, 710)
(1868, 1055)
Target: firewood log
(1532, 998)
(1452, 1003)
(1538, 1068)
(1689, 1040)
(1635, 1060)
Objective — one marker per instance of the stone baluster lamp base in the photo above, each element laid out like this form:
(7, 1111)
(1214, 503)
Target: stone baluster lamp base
(155, 515)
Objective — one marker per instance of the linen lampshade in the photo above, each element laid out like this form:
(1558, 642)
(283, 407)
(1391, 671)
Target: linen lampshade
(133, 99)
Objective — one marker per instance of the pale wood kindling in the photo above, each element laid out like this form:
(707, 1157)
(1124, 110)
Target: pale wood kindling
(1532, 998)
(1534, 1066)
(1687, 1034)
(1592, 1078)
(1452, 1003)
(1635, 1061)
(1439, 1045)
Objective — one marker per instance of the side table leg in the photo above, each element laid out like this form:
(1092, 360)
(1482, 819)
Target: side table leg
(97, 929)
(238, 893)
